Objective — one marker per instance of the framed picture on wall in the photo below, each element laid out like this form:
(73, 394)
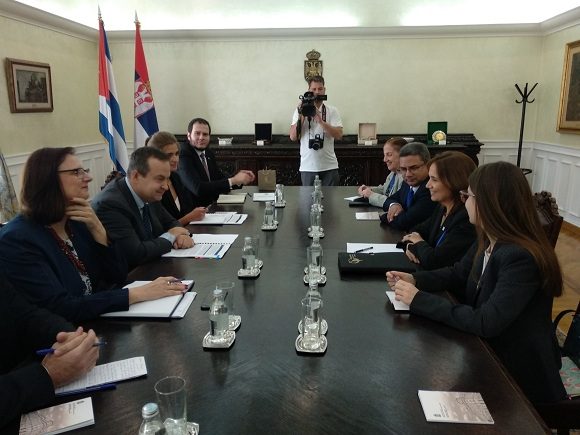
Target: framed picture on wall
(29, 86)
(569, 117)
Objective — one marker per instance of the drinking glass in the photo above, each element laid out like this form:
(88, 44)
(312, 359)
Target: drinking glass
(315, 219)
(171, 398)
(314, 262)
(269, 214)
(228, 288)
(311, 312)
(279, 194)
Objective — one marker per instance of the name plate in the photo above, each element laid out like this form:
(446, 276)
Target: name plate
(260, 143)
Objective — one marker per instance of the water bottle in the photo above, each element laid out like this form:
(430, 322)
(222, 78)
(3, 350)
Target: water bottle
(279, 194)
(218, 316)
(248, 255)
(317, 182)
(315, 219)
(269, 214)
(151, 424)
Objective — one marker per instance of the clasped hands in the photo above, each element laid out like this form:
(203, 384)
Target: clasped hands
(412, 238)
(403, 284)
(182, 238)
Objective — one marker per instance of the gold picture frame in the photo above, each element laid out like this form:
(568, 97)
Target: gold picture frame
(569, 115)
(29, 86)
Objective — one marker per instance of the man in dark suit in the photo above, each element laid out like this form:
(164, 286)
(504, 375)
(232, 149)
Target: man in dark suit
(26, 382)
(198, 168)
(411, 204)
(130, 210)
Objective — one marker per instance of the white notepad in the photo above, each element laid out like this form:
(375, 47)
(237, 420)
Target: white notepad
(367, 216)
(107, 373)
(397, 305)
(171, 306)
(261, 197)
(375, 248)
(454, 407)
(235, 198)
(206, 246)
(58, 419)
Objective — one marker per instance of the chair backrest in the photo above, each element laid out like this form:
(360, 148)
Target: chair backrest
(548, 213)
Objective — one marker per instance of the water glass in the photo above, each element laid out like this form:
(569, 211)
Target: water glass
(227, 287)
(269, 214)
(315, 219)
(250, 253)
(171, 398)
(311, 317)
(314, 262)
(317, 196)
(279, 194)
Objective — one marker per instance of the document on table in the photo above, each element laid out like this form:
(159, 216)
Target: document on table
(234, 198)
(221, 218)
(107, 373)
(260, 196)
(454, 407)
(170, 306)
(352, 198)
(206, 246)
(371, 248)
(58, 419)
(397, 305)
(367, 216)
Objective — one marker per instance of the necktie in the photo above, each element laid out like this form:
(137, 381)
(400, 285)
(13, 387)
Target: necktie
(147, 222)
(204, 163)
(391, 184)
(409, 197)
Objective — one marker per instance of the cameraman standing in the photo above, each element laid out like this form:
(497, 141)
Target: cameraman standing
(317, 124)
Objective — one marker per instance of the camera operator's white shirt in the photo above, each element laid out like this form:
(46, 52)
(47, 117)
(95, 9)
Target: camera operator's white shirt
(323, 159)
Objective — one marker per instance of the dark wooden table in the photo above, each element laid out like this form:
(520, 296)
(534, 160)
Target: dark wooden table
(367, 381)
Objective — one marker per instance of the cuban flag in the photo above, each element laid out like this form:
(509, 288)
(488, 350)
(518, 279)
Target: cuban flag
(110, 123)
(145, 116)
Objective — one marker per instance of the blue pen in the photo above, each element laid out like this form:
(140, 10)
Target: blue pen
(103, 387)
(43, 352)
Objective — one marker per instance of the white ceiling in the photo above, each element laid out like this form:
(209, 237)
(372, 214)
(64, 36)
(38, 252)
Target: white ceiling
(275, 14)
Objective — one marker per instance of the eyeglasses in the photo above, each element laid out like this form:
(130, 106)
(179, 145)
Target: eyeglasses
(411, 169)
(464, 194)
(79, 172)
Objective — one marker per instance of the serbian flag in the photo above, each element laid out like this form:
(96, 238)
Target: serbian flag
(145, 116)
(110, 123)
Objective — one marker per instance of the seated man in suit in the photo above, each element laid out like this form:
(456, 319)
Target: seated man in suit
(411, 204)
(130, 210)
(26, 382)
(198, 168)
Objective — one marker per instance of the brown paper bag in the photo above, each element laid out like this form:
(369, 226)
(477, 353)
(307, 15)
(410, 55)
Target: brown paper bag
(267, 179)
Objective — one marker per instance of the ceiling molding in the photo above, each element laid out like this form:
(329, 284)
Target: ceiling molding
(33, 16)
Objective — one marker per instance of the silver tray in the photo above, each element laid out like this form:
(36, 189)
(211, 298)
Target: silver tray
(269, 227)
(243, 273)
(323, 327)
(322, 270)
(230, 338)
(280, 205)
(237, 322)
(321, 349)
(321, 280)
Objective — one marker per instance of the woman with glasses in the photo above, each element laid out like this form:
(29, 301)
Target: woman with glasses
(56, 251)
(377, 195)
(446, 236)
(177, 200)
(506, 282)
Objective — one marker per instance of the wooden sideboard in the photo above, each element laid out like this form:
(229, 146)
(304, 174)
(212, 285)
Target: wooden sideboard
(358, 164)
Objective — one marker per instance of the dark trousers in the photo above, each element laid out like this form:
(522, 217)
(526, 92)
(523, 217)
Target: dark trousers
(328, 178)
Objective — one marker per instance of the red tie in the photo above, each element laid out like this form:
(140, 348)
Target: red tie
(204, 163)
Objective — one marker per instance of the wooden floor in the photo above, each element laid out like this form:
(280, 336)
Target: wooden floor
(568, 251)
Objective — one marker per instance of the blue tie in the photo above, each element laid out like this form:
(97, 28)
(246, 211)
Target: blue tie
(409, 197)
(391, 184)
(147, 222)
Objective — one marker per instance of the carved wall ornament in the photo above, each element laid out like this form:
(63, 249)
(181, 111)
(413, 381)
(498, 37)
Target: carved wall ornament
(312, 65)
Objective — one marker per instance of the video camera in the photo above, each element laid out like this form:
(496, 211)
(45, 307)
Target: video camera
(307, 108)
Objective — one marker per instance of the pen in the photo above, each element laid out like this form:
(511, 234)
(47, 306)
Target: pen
(103, 387)
(363, 249)
(43, 352)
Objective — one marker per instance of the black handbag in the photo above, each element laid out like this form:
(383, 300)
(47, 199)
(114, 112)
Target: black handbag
(571, 347)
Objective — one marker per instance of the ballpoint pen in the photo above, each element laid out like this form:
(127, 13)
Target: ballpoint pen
(43, 352)
(363, 249)
(102, 387)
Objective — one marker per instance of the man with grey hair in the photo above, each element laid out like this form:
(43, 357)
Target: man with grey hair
(411, 204)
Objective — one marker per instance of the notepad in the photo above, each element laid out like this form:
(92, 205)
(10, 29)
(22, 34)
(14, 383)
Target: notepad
(374, 248)
(399, 306)
(367, 216)
(222, 218)
(58, 419)
(171, 306)
(107, 373)
(454, 407)
(235, 198)
(261, 197)
(206, 246)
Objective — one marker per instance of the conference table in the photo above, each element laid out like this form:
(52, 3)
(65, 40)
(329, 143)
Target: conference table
(367, 381)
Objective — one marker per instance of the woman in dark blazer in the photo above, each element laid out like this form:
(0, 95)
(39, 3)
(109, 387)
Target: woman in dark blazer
(177, 200)
(446, 236)
(506, 281)
(56, 252)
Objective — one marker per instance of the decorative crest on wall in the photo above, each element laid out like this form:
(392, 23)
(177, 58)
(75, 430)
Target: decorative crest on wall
(312, 64)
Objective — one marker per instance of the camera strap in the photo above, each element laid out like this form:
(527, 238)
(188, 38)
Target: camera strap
(323, 119)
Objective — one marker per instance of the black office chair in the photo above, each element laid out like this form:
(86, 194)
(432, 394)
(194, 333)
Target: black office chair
(565, 415)
(548, 213)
